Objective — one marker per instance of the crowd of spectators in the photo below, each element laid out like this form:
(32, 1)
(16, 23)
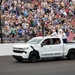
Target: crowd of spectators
(23, 20)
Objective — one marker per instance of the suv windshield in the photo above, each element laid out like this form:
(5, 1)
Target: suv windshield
(34, 41)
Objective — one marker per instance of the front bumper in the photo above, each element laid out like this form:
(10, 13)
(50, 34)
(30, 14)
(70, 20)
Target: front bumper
(19, 57)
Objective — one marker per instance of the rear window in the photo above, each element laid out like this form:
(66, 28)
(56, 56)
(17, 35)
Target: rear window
(55, 41)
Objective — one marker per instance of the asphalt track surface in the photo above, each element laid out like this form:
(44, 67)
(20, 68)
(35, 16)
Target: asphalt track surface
(9, 66)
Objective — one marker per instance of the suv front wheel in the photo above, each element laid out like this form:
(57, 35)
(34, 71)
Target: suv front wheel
(33, 57)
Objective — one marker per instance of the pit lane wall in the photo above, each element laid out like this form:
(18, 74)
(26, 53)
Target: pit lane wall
(6, 49)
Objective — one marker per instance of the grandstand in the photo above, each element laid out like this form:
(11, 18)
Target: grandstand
(21, 19)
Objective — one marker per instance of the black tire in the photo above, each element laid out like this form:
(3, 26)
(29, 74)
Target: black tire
(33, 58)
(71, 55)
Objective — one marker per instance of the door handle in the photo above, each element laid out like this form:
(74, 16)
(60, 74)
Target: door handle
(61, 46)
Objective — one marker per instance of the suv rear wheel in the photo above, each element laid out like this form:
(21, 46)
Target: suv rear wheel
(71, 55)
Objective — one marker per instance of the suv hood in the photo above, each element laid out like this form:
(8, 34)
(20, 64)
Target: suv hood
(22, 45)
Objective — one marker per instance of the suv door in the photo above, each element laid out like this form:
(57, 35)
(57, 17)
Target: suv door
(45, 48)
(52, 48)
(56, 47)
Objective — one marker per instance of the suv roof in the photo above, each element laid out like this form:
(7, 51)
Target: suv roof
(46, 37)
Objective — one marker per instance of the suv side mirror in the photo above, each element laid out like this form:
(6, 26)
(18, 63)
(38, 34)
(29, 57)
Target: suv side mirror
(42, 44)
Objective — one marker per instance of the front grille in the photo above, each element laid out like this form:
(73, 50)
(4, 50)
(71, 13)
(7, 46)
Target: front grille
(17, 48)
(18, 51)
(20, 48)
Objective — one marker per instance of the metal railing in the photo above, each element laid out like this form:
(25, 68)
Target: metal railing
(18, 40)
(14, 40)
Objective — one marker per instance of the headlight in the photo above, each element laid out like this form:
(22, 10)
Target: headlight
(25, 48)
(14, 48)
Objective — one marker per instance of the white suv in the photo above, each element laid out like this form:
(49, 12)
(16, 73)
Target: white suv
(43, 47)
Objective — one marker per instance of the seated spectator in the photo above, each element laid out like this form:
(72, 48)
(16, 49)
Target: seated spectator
(20, 33)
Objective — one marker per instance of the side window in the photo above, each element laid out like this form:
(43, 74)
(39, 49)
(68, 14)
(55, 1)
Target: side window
(55, 41)
(46, 42)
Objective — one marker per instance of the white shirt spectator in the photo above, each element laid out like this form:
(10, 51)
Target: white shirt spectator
(64, 36)
(54, 33)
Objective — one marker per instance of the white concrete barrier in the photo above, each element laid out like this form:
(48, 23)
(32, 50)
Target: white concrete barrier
(6, 49)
